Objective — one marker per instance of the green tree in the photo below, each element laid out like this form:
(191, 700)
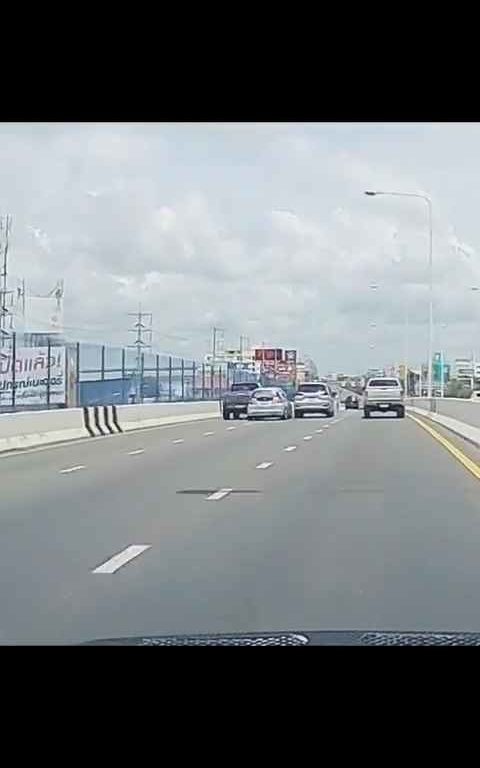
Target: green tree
(458, 388)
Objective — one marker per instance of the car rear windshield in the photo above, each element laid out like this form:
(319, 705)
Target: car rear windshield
(264, 393)
(246, 386)
(384, 383)
(313, 388)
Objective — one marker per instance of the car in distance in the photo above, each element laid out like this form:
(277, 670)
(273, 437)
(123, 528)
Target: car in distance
(268, 401)
(236, 400)
(352, 401)
(383, 394)
(314, 397)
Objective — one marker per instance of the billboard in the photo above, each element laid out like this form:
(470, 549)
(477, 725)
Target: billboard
(291, 356)
(31, 376)
(267, 354)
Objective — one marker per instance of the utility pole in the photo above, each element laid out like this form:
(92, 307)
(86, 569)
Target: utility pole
(140, 329)
(218, 344)
(5, 230)
(214, 345)
(244, 344)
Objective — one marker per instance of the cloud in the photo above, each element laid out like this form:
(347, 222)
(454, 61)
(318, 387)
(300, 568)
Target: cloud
(262, 230)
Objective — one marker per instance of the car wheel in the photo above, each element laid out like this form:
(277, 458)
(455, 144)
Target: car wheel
(226, 415)
(330, 413)
(236, 415)
(401, 413)
(298, 414)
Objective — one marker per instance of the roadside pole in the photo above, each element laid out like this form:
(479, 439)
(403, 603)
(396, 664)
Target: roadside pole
(442, 374)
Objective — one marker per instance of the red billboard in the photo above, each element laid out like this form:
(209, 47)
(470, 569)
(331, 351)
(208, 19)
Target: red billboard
(268, 354)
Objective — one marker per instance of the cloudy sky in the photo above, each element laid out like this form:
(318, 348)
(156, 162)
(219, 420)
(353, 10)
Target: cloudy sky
(260, 229)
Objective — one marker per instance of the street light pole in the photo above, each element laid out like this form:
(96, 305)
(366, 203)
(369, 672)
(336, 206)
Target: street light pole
(474, 288)
(442, 360)
(430, 269)
(405, 362)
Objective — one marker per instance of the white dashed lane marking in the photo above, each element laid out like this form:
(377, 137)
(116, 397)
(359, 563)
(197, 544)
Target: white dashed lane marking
(220, 494)
(290, 448)
(207, 434)
(114, 563)
(307, 437)
(180, 440)
(229, 429)
(136, 453)
(264, 465)
(318, 431)
(71, 469)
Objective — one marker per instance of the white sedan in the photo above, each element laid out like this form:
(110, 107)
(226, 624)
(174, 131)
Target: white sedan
(269, 401)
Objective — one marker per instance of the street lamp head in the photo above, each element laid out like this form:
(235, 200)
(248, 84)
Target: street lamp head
(369, 192)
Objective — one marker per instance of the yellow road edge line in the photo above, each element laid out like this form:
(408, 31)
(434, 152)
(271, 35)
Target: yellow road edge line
(459, 455)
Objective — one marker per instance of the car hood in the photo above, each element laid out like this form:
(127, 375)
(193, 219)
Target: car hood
(302, 638)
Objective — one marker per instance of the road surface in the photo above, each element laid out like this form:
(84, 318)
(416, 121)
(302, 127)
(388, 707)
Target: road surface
(340, 523)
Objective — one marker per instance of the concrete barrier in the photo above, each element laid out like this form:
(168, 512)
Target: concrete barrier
(29, 429)
(460, 416)
(24, 430)
(458, 408)
(155, 414)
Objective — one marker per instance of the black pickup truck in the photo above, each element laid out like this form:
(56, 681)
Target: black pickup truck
(235, 402)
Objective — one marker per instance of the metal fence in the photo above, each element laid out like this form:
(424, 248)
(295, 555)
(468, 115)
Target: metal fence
(96, 374)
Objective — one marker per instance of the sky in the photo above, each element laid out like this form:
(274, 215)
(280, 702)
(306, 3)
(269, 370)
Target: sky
(260, 229)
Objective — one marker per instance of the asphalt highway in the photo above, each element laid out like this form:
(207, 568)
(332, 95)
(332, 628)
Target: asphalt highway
(214, 526)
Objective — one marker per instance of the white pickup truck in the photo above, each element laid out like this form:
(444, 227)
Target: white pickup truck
(383, 394)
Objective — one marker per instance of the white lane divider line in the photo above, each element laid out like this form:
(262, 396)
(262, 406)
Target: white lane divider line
(319, 431)
(114, 563)
(264, 465)
(207, 434)
(71, 469)
(229, 429)
(220, 494)
(290, 448)
(307, 437)
(136, 453)
(180, 440)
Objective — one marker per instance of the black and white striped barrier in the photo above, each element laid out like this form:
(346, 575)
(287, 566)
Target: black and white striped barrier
(101, 420)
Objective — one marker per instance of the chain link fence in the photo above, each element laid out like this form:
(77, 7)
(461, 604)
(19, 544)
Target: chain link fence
(60, 374)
